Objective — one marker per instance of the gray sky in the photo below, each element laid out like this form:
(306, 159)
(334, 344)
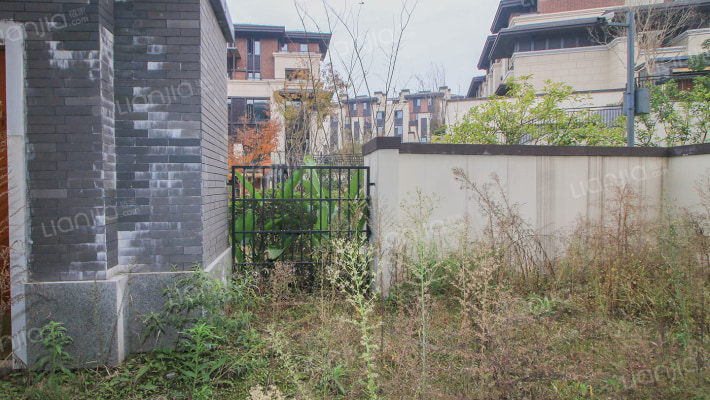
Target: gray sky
(443, 35)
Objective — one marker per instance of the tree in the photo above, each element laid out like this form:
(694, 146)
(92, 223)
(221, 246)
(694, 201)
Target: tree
(253, 144)
(305, 103)
(656, 26)
(353, 65)
(524, 117)
(679, 115)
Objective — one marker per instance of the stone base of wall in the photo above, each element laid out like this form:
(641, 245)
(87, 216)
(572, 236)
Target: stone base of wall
(104, 318)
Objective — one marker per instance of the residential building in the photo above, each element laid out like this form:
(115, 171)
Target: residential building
(411, 116)
(567, 41)
(570, 42)
(266, 60)
(116, 158)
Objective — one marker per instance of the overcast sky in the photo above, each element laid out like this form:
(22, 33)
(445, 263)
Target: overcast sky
(443, 35)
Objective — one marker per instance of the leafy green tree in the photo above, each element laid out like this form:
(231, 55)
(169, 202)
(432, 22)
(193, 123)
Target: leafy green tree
(523, 116)
(680, 112)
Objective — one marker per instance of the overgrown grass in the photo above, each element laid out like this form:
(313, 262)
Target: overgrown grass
(622, 314)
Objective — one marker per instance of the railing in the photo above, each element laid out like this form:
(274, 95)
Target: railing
(289, 214)
(657, 80)
(608, 115)
(340, 159)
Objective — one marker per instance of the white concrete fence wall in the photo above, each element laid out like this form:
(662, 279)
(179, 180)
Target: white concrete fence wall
(554, 186)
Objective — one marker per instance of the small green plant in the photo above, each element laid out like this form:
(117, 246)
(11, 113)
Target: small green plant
(201, 359)
(573, 390)
(54, 340)
(544, 305)
(333, 382)
(199, 297)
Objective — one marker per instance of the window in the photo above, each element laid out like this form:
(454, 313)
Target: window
(256, 110)
(254, 47)
(399, 114)
(380, 118)
(417, 102)
(380, 130)
(365, 106)
(353, 107)
(398, 130)
(284, 47)
(430, 101)
(253, 59)
(304, 48)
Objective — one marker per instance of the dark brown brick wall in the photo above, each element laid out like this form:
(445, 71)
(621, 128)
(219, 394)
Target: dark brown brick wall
(268, 48)
(553, 6)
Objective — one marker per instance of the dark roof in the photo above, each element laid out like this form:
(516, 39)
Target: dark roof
(503, 46)
(423, 95)
(484, 62)
(245, 29)
(224, 20)
(507, 7)
(360, 99)
(476, 82)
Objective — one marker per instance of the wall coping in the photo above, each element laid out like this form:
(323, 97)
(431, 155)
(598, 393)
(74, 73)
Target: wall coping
(224, 19)
(395, 143)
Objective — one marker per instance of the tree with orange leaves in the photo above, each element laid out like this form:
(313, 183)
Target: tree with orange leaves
(253, 144)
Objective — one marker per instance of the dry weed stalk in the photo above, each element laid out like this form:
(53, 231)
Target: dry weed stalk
(513, 241)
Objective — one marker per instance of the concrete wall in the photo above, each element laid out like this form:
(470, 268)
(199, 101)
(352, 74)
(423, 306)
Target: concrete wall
(554, 186)
(584, 68)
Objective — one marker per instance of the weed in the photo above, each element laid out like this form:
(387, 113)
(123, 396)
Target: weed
(519, 249)
(200, 343)
(54, 339)
(350, 274)
(267, 393)
(423, 246)
(333, 382)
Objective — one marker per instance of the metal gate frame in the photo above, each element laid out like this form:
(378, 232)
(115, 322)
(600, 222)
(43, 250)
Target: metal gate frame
(266, 189)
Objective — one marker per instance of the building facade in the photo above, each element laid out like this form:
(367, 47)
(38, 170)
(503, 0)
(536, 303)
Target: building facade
(116, 161)
(410, 116)
(568, 42)
(263, 62)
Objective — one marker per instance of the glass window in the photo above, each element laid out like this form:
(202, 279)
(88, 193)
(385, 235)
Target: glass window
(253, 47)
(284, 47)
(380, 115)
(365, 106)
(257, 110)
(380, 130)
(399, 114)
(304, 48)
(398, 130)
(354, 107)
(418, 102)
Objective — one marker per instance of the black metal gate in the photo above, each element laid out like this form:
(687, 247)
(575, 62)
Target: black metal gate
(280, 213)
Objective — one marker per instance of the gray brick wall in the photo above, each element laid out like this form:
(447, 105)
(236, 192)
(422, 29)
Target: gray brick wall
(126, 135)
(213, 82)
(69, 136)
(158, 133)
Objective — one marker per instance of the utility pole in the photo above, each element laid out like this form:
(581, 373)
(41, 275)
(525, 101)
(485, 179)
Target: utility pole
(630, 95)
